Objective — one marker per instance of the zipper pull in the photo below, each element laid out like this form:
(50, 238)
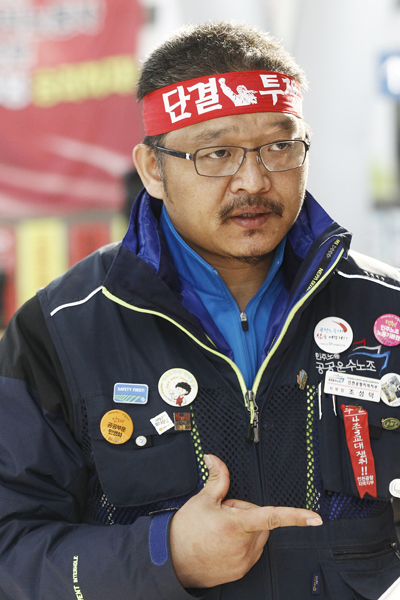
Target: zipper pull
(396, 550)
(255, 426)
(252, 428)
(244, 321)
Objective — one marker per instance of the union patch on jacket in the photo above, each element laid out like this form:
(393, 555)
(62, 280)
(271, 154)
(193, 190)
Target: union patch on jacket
(131, 393)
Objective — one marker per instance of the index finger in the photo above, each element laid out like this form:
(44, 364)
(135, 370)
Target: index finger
(266, 518)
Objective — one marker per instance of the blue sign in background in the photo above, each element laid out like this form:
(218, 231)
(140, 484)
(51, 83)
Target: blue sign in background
(389, 71)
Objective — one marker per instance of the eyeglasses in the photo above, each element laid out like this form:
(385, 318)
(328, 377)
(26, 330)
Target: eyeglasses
(223, 161)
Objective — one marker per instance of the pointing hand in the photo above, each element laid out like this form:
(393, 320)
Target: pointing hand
(215, 541)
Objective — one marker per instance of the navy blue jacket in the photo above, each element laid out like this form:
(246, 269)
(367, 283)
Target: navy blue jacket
(83, 518)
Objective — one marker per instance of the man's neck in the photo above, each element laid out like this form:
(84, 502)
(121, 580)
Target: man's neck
(244, 280)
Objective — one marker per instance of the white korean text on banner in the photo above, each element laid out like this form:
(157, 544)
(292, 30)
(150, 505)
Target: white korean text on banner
(68, 114)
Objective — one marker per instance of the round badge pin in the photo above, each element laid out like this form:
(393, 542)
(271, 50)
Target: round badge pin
(178, 387)
(116, 427)
(333, 335)
(387, 330)
(141, 441)
(390, 423)
(390, 389)
(394, 488)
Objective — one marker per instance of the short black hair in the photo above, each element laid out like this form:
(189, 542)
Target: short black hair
(212, 48)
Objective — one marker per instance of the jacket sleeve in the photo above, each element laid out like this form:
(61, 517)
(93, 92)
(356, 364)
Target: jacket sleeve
(46, 551)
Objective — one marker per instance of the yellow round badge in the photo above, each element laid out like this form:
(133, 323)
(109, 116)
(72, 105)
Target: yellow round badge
(116, 427)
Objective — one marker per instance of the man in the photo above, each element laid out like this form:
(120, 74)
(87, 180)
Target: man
(233, 281)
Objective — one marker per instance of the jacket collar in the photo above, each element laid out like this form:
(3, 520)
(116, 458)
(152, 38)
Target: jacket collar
(144, 237)
(144, 274)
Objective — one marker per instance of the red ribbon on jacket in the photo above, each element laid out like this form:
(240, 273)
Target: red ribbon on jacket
(359, 445)
(204, 98)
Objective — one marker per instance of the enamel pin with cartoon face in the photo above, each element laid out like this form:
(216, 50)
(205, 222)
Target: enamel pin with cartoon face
(178, 387)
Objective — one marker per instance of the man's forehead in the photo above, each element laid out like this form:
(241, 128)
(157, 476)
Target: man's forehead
(216, 129)
(197, 100)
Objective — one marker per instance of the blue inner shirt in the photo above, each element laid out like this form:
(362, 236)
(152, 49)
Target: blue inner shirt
(195, 272)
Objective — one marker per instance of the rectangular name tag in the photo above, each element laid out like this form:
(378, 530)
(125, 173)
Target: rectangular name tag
(352, 386)
(131, 393)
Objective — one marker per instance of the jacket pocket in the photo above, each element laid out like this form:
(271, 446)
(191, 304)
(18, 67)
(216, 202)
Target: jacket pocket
(360, 572)
(336, 468)
(132, 476)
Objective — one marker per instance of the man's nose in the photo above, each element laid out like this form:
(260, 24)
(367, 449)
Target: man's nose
(252, 176)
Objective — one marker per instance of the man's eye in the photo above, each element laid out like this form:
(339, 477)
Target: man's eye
(280, 146)
(220, 153)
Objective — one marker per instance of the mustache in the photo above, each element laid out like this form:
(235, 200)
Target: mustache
(272, 206)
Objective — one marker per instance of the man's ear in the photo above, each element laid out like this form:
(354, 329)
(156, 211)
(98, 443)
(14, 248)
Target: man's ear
(146, 166)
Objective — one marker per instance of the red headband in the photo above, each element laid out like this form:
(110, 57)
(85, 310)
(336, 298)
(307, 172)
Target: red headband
(204, 98)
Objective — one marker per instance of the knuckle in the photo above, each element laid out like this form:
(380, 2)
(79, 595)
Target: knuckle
(273, 520)
(244, 554)
(244, 562)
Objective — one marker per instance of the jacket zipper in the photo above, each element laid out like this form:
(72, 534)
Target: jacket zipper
(248, 395)
(277, 340)
(252, 428)
(364, 553)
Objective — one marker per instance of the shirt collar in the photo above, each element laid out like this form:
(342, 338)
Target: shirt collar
(193, 269)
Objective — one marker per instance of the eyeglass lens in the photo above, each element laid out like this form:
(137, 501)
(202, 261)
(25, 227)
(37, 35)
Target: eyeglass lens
(226, 160)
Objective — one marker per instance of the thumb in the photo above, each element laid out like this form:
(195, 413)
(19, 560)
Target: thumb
(217, 485)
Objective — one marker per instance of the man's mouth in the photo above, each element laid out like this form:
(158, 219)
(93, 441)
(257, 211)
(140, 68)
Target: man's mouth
(248, 215)
(251, 210)
(251, 220)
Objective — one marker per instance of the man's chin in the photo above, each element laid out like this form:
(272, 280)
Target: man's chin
(253, 259)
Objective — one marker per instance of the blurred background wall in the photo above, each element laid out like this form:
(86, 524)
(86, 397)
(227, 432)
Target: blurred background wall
(69, 119)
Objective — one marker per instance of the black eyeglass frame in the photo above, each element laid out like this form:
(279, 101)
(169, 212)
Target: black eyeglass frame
(189, 156)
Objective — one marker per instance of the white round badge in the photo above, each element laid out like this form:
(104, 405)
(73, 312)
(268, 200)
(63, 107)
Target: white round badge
(333, 335)
(178, 387)
(394, 488)
(141, 441)
(390, 389)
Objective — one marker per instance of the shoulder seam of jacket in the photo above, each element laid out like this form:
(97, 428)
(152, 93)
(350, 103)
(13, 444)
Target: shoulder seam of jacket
(62, 306)
(388, 285)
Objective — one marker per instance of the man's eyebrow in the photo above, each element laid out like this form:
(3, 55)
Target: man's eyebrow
(288, 126)
(211, 135)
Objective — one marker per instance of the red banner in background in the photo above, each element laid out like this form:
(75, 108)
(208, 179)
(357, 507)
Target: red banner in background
(68, 115)
(7, 274)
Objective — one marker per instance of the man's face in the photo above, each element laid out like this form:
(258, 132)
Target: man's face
(241, 217)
